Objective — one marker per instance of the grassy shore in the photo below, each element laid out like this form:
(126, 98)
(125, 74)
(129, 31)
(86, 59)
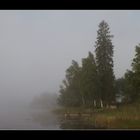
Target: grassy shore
(124, 117)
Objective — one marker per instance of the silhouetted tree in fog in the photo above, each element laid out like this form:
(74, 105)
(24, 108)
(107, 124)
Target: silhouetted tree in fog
(104, 62)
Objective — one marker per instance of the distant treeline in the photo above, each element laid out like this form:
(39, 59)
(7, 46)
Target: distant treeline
(45, 100)
(94, 84)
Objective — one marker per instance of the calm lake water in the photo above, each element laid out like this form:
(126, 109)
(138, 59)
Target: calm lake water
(20, 116)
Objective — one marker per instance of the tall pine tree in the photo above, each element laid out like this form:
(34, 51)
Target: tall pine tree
(104, 62)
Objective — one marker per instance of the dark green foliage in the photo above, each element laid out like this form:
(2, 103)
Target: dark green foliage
(136, 71)
(104, 61)
(129, 88)
(93, 82)
(79, 87)
(132, 78)
(70, 93)
(136, 61)
(89, 80)
(120, 86)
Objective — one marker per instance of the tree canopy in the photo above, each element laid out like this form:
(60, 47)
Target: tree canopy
(94, 81)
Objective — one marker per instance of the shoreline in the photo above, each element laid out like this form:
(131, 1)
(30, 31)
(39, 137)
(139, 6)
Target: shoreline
(125, 117)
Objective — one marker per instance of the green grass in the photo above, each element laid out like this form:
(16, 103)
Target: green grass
(125, 117)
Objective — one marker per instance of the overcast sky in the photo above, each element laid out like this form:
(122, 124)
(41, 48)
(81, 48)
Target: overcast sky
(36, 47)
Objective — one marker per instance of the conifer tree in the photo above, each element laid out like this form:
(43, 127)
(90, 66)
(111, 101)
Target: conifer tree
(104, 62)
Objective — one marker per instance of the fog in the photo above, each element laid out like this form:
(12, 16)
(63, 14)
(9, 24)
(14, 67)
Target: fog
(20, 114)
(36, 47)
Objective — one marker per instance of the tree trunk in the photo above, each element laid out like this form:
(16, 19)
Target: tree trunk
(94, 103)
(101, 103)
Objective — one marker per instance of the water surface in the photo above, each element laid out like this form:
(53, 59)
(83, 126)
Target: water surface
(19, 115)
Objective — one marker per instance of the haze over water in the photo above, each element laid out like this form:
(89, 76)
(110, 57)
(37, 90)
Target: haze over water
(36, 47)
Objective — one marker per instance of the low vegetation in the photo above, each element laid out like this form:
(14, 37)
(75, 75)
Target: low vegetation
(124, 117)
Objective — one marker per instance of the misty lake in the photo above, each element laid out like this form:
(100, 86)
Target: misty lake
(20, 116)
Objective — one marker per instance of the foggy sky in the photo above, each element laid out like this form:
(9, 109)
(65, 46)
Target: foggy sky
(36, 47)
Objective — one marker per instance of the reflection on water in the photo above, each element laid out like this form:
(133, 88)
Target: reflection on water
(18, 115)
(77, 123)
(45, 118)
(50, 120)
